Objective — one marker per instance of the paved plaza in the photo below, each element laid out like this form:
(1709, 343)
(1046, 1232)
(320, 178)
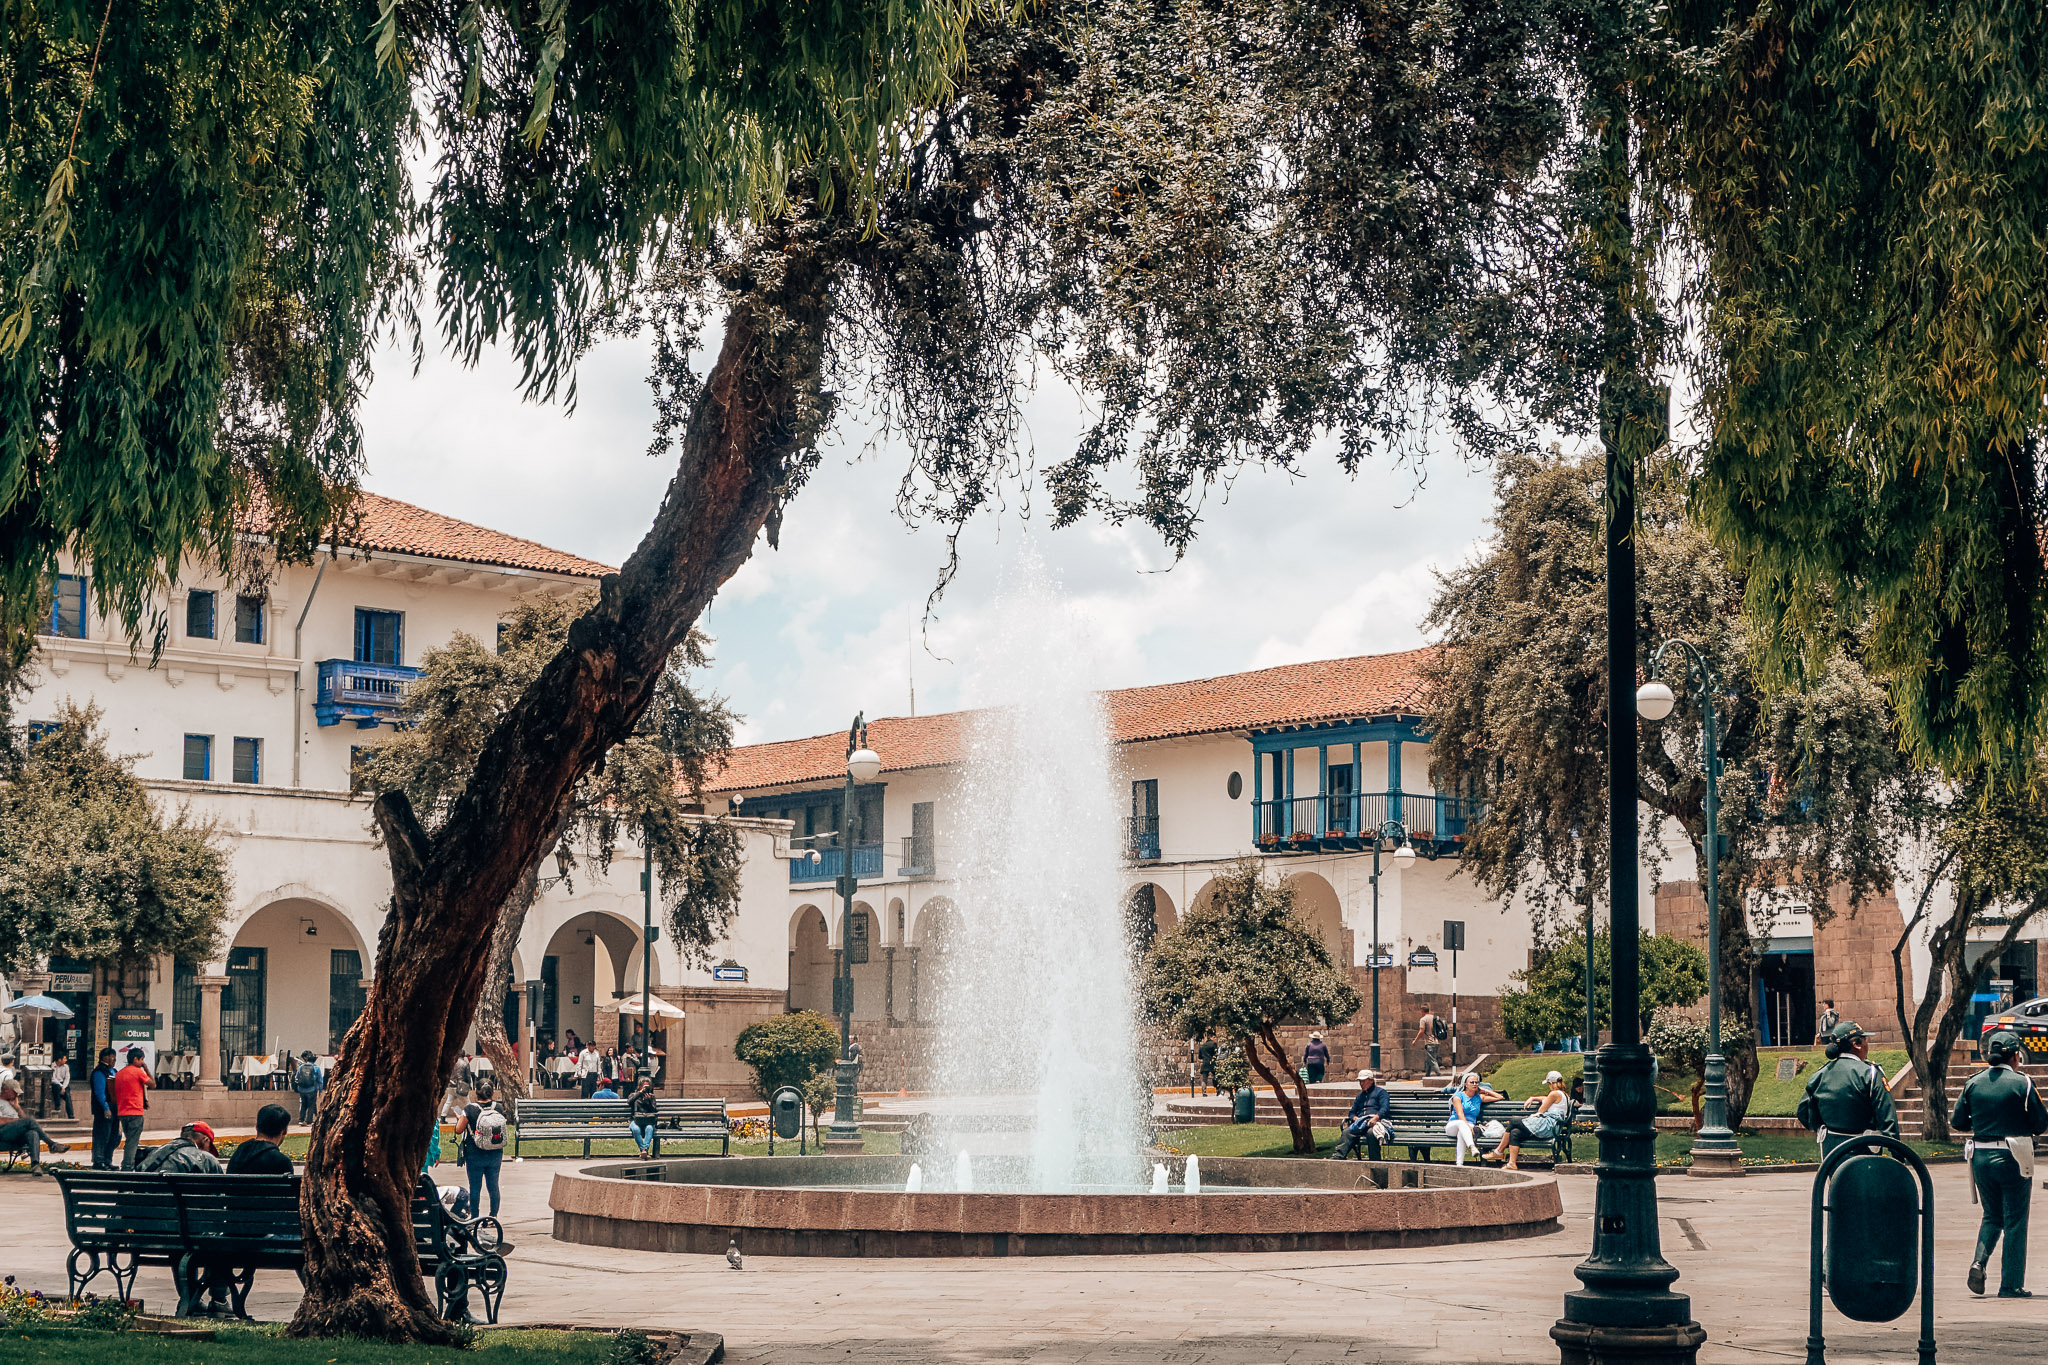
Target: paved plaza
(1740, 1247)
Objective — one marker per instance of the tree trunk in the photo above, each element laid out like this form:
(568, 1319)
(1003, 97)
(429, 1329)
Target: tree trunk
(1914, 1030)
(490, 1006)
(1949, 979)
(1297, 1123)
(1738, 1001)
(758, 411)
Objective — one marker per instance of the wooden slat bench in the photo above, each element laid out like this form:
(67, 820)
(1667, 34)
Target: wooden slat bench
(1418, 1117)
(588, 1121)
(227, 1227)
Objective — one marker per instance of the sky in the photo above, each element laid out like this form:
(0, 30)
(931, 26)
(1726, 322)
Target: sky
(1284, 569)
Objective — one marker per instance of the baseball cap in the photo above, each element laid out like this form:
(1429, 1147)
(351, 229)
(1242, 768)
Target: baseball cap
(2003, 1043)
(200, 1127)
(1553, 1076)
(1365, 1075)
(1847, 1032)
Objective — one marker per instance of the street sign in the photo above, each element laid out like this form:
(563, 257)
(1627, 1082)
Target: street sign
(1422, 957)
(1380, 960)
(1454, 935)
(731, 971)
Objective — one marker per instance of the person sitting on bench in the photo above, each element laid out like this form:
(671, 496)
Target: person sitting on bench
(1367, 1121)
(1552, 1108)
(19, 1132)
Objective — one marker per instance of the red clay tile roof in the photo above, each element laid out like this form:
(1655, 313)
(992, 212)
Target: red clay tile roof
(383, 523)
(1294, 694)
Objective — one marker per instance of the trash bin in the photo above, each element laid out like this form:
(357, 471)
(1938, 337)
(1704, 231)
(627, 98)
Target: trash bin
(1245, 1105)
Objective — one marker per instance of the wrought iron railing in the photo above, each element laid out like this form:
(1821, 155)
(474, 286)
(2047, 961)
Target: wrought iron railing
(1141, 840)
(364, 693)
(1314, 820)
(867, 862)
(919, 857)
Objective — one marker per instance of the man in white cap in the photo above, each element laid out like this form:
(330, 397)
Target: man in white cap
(1367, 1121)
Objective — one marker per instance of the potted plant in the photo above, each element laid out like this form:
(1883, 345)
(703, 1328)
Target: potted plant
(1422, 836)
(1334, 833)
(1301, 836)
(1269, 841)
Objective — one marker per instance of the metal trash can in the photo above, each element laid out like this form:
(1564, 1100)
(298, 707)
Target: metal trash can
(1244, 1105)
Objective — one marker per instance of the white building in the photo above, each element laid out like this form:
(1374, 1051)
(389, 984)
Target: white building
(250, 715)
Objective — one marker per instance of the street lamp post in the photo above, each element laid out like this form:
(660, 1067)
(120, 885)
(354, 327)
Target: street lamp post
(1403, 855)
(1714, 1149)
(862, 765)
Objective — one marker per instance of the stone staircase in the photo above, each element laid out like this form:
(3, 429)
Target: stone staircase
(1910, 1097)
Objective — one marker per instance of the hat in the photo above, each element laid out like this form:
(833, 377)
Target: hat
(1314, 1034)
(1365, 1075)
(1847, 1032)
(2004, 1043)
(200, 1127)
(1553, 1076)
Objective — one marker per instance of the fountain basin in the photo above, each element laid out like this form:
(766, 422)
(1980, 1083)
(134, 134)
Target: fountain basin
(856, 1206)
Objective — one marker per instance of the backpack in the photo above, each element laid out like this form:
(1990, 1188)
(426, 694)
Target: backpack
(306, 1079)
(1438, 1027)
(489, 1133)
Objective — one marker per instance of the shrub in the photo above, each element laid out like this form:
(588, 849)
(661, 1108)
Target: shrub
(821, 1092)
(1233, 1072)
(787, 1050)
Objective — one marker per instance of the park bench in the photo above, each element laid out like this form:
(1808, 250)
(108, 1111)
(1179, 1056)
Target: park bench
(197, 1225)
(1417, 1118)
(587, 1121)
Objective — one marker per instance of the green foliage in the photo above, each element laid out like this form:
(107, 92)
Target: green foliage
(90, 868)
(1233, 1072)
(821, 1092)
(1243, 963)
(631, 1348)
(1548, 1000)
(1865, 185)
(788, 1049)
(207, 213)
(1680, 1042)
(463, 692)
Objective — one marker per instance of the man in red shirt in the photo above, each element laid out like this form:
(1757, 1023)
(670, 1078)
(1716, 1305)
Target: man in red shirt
(130, 1085)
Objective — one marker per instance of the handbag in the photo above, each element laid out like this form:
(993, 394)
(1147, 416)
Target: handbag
(1494, 1130)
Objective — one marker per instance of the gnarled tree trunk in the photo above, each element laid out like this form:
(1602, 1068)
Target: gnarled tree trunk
(758, 411)
(1297, 1124)
(490, 1007)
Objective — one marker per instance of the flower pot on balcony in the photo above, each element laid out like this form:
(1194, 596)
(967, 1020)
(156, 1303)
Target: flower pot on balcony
(1301, 838)
(1336, 834)
(1269, 841)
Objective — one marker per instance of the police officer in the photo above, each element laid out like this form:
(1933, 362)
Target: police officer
(2001, 1111)
(1847, 1096)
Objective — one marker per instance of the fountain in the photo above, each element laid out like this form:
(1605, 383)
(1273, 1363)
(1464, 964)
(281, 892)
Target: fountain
(1035, 1000)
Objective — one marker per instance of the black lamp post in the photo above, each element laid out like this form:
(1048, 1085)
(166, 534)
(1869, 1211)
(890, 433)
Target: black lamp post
(1714, 1149)
(1589, 1050)
(862, 765)
(1403, 854)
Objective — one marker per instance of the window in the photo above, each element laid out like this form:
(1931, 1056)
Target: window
(379, 636)
(345, 994)
(199, 758)
(249, 619)
(501, 637)
(67, 606)
(39, 730)
(199, 615)
(1144, 830)
(185, 1004)
(248, 760)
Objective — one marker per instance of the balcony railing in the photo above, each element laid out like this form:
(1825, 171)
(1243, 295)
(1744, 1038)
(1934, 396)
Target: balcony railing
(1141, 841)
(367, 694)
(1346, 820)
(867, 862)
(919, 859)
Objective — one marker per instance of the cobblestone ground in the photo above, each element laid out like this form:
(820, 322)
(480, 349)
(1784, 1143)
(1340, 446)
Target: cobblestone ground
(1740, 1247)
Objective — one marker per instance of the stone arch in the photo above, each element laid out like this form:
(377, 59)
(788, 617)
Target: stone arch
(933, 934)
(810, 961)
(896, 923)
(1320, 905)
(1148, 915)
(596, 956)
(296, 969)
(1203, 895)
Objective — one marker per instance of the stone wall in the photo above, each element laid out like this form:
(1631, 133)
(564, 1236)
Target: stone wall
(1852, 963)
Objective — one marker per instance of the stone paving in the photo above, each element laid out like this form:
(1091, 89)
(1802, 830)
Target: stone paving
(1740, 1246)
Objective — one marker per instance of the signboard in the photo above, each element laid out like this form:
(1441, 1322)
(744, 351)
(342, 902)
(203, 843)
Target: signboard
(1422, 957)
(857, 944)
(71, 981)
(1454, 935)
(2001, 985)
(1380, 960)
(732, 971)
(135, 1026)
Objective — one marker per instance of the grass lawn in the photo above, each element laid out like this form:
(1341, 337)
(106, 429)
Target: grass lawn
(1523, 1076)
(1673, 1149)
(257, 1346)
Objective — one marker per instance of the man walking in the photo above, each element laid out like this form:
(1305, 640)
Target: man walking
(131, 1099)
(307, 1082)
(2003, 1115)
(587, 1066)
(1847, 1096)
(1367, 1121)
(106, 1126)
(1431, 1034)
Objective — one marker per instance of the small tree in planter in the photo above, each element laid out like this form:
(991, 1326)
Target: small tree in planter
(789, 1049)
(1680, 1042)
(1241, 965)
(1233, 1072)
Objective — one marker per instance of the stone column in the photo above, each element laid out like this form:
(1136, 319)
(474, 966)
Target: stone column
(915, 1015)
(209, 1031)
(889, 984)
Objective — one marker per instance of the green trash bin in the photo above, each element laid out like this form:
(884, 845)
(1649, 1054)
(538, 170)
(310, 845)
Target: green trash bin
(1245, 1105)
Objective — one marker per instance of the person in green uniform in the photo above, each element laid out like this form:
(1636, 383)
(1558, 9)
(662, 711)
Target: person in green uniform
(2001, 1111)
(1847, 1096)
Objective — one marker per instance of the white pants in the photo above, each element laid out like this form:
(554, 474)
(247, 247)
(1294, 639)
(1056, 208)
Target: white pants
(1461, 1131)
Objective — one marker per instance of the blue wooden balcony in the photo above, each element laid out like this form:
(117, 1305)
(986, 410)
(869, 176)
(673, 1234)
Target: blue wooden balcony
(367, 694)
(1341, 821)
(1141, 841)
(867, 862)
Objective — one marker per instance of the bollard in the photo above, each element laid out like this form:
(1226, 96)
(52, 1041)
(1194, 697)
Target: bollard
(1867, 1210)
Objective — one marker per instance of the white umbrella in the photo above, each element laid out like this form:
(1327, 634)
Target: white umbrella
(657, 1008)
(39, 1007)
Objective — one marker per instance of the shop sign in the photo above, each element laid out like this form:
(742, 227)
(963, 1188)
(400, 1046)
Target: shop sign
(135, 1026)
(71, 981)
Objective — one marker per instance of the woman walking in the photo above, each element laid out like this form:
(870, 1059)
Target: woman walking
(1552, 1107)
(2003, 1114)
(1315, 1058)
(1468, 1098)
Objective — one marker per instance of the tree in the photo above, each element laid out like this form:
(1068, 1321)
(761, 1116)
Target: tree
(790, 1049)
(90, 868)
(1993, 855)
(639, 792)
(1815, 797)
(1549, 1000)
(1863, 186)
(1241, 965)
(1681, 1043)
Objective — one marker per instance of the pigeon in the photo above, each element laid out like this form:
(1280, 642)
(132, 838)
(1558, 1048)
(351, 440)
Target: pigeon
(732, 1253)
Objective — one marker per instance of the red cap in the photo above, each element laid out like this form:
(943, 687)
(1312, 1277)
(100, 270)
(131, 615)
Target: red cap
(200, 1128)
